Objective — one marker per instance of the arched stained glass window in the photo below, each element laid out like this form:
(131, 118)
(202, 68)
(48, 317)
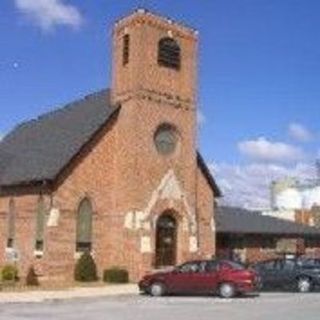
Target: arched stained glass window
(40, 224)
(84, 226)
(169, 53)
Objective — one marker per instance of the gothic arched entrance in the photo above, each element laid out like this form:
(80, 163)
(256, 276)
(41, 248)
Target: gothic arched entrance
(166, 240)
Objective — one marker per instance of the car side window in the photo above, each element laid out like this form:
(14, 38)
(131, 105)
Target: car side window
(268, 266)
(190, 267)
(309, 263)
(288, 265)
(212, 266)
(278, 264)
(203, 266)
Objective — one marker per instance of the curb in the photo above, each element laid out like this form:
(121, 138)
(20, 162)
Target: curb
(73, 293)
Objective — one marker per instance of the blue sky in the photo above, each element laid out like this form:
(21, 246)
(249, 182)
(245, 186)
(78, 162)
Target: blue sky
(259, 76)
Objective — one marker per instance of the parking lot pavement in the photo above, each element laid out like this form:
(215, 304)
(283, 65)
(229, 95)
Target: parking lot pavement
(283, 306)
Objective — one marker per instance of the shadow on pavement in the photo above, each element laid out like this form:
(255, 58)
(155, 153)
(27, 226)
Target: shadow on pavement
(186, 295)
(286, 290)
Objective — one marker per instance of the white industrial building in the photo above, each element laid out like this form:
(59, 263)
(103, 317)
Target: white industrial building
(289, 195)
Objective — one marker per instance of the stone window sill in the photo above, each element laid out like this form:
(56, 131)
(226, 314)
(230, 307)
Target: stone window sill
(38, 254)
(77, 255)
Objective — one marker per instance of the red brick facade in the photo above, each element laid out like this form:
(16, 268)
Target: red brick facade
(120, 171)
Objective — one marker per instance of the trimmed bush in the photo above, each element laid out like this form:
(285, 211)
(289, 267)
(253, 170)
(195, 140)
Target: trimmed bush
(86, 269)
(9, 273)
(116, 275)
(32, 278)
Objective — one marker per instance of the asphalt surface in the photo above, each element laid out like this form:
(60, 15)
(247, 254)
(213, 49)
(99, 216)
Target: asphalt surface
(269, 306)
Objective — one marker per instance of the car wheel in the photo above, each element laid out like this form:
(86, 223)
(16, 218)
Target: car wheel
(304, 285)
(227, 290)
(157, 289)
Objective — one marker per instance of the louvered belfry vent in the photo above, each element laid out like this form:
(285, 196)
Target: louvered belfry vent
(126, 49)
(169, 54)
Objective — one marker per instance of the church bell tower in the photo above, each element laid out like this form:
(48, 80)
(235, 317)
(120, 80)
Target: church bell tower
(154, 79)
(154, 55)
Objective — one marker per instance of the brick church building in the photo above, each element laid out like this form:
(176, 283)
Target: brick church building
(117, 172)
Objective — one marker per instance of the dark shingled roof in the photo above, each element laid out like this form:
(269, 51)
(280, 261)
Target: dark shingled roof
(241, 221)
(206, 172)
(38, 150)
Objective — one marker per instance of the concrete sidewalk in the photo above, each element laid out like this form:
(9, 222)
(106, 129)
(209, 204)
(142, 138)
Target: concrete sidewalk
(72, 293)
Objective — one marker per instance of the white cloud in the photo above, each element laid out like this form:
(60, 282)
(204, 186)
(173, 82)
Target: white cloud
(50, 13)
(249, 185)
(201, 119)
(299, 132)
(262, 149)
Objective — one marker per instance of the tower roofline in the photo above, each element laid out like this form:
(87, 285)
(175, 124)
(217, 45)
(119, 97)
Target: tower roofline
(142, 13)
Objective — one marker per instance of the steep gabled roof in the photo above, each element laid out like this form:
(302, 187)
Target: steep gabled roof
(39, 149)
(241, 221)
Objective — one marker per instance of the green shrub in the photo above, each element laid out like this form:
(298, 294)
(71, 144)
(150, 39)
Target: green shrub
(32, 278)
(86, 269)
(9, 273)
(116, 275)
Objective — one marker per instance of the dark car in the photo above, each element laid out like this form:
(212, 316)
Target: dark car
(222, 277)
(299, 274)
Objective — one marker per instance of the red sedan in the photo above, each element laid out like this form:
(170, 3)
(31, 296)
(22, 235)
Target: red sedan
(222, 277)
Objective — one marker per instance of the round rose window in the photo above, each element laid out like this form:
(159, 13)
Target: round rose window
(165, 139)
